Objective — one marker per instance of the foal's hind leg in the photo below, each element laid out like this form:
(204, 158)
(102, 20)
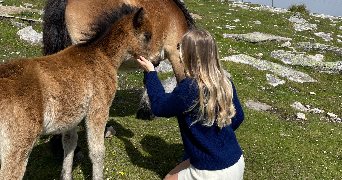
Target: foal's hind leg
(69, 140)
(96, 123)
(14, 159)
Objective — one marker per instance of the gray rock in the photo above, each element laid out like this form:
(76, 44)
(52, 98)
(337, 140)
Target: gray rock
(274, 80)
(307, 46)
(316, 111)
(18, 24)
(256, 37)
(304, 27)
(325, 36)
(280, 70)
(299, 106)
(323, 16)
(164, 67)
(296, 18)
(309, 61)
(297, 35)
(301, 116)
(300, 23)
(30, 35)
(169, 84)
(258, 106)
(256, 22)
(270, 9)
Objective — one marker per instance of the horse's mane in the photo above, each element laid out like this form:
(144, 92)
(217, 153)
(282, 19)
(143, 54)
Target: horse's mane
(189, 20)
(104, 23)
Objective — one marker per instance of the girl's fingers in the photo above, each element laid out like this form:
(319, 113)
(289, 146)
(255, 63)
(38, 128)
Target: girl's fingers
(142, 58)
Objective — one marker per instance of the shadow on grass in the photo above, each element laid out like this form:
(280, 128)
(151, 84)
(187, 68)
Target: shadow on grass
(125, 103)
(162, 158)
(43, 164)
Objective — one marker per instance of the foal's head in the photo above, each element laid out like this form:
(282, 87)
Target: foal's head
(127, 29)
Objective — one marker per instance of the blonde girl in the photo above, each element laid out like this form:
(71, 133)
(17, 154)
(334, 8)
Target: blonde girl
(207, 109)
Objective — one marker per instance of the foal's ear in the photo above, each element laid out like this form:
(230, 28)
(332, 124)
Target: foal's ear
(138, 18)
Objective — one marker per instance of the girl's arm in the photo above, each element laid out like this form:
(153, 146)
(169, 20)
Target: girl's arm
(167, 104)
(239, 116)
(170, 104)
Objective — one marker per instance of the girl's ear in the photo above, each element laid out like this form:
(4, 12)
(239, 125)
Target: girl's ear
(138, 18)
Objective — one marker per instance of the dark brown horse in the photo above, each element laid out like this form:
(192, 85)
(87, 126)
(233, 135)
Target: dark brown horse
(52, 94)
(67, 21)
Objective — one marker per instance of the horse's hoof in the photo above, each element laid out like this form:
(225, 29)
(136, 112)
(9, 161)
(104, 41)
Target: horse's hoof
(78, 156)
(145, 114)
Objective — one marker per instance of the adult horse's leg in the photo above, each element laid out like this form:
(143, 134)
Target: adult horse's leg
(144, 111)
(69, 140)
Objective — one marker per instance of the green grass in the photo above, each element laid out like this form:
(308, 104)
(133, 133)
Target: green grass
(276, 145)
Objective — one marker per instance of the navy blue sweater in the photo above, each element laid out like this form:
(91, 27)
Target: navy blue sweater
(209, 148)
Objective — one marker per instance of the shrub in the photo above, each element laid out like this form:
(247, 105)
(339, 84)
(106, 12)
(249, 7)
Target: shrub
(299, 8)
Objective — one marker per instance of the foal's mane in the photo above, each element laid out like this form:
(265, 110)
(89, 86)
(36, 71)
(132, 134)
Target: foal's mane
(104, 23)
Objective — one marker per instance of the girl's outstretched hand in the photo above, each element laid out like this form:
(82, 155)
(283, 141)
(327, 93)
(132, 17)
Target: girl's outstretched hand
(145, 64)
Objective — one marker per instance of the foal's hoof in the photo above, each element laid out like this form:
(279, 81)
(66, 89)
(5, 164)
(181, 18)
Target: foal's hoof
(145, 114)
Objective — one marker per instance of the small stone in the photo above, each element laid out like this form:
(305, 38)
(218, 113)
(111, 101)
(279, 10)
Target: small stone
(338, 120)
(257, 22)
(316, 111)
(230, 27)
(301, 116)
(109, 132)
(28, 4)
(312, 93)
(299, 106)
(332, 115)
(273, 80)
(18, 24)
(286, 44)
(258, 106)
(259, 55)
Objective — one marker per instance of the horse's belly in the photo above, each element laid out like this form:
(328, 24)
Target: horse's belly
(59, 117)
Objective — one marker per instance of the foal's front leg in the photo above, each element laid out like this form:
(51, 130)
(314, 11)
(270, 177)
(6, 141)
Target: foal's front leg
(96, 123)
(69, 140)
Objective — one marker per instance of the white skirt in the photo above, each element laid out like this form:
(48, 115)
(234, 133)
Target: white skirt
(234, 172)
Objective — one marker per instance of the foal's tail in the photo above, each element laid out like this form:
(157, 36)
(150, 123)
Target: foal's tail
(190, 21)
(55, 34)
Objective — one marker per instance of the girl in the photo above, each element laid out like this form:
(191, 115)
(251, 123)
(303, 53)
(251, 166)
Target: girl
(207, 108)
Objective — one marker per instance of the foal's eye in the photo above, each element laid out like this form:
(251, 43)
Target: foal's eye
(148, 37)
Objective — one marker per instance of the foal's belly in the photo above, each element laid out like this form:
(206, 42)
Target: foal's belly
(61, 116)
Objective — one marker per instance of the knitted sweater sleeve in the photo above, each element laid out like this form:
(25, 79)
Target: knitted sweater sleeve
(239, 116)
(170, 104)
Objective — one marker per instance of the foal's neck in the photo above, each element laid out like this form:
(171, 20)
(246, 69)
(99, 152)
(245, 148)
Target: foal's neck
(104, 51)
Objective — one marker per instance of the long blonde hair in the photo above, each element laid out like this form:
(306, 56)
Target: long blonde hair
(198, 53)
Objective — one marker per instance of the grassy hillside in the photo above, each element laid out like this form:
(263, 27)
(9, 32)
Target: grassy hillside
(276, 144)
